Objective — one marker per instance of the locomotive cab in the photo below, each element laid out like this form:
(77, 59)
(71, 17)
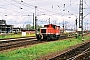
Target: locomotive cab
(49, 31)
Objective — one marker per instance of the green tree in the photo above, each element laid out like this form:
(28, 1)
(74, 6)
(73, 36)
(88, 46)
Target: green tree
(28, 26)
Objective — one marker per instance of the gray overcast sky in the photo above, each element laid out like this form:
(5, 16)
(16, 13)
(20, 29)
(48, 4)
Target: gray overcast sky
(16, 11)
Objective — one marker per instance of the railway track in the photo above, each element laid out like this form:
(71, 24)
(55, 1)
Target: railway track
(85, 55)
(19, 42)
(80, 53)
(15, 39)
(13, 43)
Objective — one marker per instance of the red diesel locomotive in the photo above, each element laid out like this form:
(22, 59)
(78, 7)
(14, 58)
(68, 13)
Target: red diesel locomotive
(49, 31)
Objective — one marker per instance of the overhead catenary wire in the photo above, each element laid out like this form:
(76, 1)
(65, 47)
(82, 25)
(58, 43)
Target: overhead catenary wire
(86, 3)
(9, 13)
(72, 3)
(25, 4)
(40, 8)
(12, 3)
(89, 7)
(44, 8)
(22, 3)
(86, 15)
(17, 11)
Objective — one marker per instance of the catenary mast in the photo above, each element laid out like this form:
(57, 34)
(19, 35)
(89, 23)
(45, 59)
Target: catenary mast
(81, 17)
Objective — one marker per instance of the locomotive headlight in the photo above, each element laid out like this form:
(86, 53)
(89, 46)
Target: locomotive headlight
(57, 33)
(47, 33)
(37, 33)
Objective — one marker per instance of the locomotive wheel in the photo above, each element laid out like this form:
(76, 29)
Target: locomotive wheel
(38, 36)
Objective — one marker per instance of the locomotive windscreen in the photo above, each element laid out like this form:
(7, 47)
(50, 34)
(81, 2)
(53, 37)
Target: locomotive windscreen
(43, 30)
(54, 26)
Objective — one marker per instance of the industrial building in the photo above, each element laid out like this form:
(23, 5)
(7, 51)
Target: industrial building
(4, 28)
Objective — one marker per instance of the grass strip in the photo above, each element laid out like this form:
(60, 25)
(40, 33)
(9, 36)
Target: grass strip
(35, 51)
(14, 36)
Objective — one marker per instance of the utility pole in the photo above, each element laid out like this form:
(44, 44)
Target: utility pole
(49, 20)
(63, 26)
(87, 25)
(35, 21)
(76, 24)
(81, 17)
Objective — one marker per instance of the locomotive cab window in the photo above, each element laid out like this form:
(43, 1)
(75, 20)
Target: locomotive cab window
(46, 26)
(43, 30)
(54, 26)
